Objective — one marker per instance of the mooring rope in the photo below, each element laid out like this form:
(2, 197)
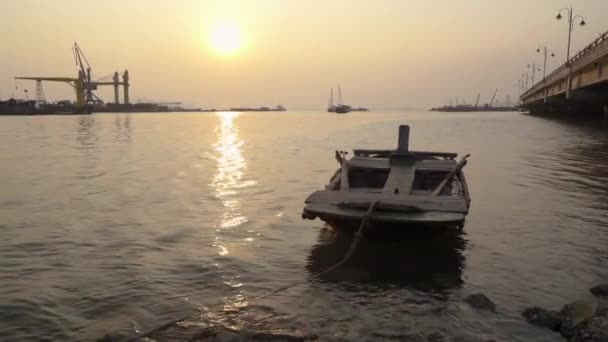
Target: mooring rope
(358, 237)
(351, 250)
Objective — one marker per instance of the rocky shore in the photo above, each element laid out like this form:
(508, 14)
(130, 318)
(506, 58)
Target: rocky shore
(584, 320)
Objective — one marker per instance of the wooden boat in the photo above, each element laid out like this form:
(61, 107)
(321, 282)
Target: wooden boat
(407, 188)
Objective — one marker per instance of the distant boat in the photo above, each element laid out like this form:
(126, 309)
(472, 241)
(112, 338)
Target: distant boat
(330, 106)
(341, 108)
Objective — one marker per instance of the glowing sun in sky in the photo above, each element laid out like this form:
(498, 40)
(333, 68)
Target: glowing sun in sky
(225, 37)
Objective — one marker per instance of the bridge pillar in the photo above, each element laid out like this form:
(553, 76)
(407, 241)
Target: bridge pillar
(569, 86)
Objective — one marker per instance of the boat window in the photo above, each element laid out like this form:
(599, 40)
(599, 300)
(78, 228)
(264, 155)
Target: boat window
(367, 178)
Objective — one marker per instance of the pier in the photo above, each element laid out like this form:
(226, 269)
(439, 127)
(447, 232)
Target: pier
(578, 87)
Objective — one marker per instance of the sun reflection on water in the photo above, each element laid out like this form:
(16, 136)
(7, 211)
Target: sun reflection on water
(229, 177)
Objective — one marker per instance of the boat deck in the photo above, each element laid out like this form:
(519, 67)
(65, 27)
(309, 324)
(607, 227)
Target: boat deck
(420, 165)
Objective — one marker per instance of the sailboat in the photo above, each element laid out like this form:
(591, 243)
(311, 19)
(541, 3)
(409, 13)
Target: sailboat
(341, 108)
(330, 107)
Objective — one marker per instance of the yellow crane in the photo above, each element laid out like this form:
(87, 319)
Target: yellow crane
(77, 83)
(84, 85)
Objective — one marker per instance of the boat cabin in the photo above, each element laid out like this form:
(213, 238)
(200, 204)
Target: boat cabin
(412, 173)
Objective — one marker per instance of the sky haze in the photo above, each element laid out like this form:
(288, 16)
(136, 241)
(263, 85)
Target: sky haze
(389, 54)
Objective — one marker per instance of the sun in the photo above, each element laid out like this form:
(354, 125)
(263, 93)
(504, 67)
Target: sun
(225, 37)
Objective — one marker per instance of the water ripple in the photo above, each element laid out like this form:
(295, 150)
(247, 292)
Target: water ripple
(113, 224)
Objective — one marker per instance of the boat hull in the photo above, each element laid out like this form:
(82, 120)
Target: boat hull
(342, 110)
(391, 229)
(391, 222)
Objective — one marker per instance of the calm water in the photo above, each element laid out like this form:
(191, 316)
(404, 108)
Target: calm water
(113, 224)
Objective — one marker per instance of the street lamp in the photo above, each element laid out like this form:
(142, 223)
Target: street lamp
(571, 20)
(534, 69)
(545, 59)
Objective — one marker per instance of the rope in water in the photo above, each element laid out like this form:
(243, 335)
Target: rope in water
(358, 237)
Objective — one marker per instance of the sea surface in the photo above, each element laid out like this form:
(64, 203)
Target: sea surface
(113, 224)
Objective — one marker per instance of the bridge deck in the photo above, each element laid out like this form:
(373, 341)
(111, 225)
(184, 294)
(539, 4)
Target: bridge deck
(589, 67)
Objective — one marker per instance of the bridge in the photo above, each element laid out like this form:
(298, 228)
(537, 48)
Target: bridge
(578, 87)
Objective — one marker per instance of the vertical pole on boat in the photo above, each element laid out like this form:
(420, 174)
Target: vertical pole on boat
(404, 138)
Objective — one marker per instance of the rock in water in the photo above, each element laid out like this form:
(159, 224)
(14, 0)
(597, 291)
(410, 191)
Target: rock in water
(470, 338)
(218, 333)
(399, 337)
(414, 338)
(576, 313)
(600, 290)
(543, 318)
(596, 330)
(480, 301)
(435, 337)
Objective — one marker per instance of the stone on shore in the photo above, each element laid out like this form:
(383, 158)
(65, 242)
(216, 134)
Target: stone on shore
(399, 337)
(470, 338)
(435, 337)
(599, 290)
(543, 318)
(221, 334)
(596, 330)
(480, 301)
(575, 314)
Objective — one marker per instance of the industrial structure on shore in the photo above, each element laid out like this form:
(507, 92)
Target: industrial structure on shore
(86, 101)
(84, 87)
(488, 107)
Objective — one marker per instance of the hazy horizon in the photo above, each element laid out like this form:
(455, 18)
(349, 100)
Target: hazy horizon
(395, 55)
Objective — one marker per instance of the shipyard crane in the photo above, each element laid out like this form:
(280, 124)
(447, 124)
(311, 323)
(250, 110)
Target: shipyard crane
(74, 82)
(493, 97)
(83, 98)
(86, 72)
(84, 85)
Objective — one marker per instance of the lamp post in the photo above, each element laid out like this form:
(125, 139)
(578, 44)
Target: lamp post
(545, 59)
(533, 66)
(520, 86)
(571, 19)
